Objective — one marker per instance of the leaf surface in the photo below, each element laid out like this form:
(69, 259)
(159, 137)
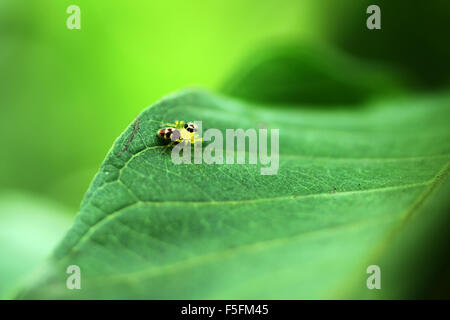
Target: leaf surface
(348, 181)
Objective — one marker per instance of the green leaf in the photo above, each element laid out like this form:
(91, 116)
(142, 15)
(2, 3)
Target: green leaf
(349, 181)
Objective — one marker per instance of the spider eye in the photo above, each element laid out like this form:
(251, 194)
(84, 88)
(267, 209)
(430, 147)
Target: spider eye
(193, 127)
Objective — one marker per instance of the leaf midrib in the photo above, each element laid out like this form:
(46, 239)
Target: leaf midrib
(221, 254)
(153, 271)
(112, 215)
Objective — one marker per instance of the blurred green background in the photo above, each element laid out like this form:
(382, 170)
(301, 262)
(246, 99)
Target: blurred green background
(65, 95)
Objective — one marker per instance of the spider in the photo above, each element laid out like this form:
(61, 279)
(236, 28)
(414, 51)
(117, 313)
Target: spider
(180, 131)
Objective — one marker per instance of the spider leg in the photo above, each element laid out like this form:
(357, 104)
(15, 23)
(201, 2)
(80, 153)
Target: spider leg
(179, 124)
(195, 138)
(176, 125)
(170, 144)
